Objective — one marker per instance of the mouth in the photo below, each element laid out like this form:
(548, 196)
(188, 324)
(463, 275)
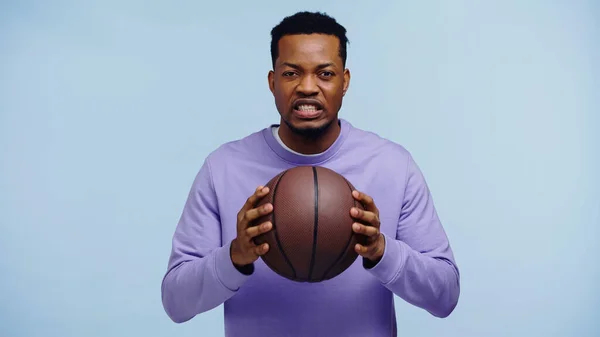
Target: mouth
(307, 108)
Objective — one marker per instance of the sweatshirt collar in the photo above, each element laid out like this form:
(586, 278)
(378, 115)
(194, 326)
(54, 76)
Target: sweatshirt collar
(299, 159)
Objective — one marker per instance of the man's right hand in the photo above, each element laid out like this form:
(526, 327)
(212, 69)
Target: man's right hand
(243, 250)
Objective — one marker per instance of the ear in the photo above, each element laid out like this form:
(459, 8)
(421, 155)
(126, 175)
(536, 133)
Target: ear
(271, 79)
(346, 81)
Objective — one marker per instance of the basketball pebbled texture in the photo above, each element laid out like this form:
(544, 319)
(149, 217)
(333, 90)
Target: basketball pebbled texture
(312, 238)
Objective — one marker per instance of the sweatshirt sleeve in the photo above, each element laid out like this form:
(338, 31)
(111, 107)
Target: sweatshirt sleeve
(418, 264)
(200, 274)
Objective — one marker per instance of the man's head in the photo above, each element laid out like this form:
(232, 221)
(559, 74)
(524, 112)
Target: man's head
(309, 76)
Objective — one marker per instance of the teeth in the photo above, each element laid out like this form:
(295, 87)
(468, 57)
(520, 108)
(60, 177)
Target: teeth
(307, 107)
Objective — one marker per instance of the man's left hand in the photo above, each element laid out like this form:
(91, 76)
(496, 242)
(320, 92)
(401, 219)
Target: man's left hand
(368, 226)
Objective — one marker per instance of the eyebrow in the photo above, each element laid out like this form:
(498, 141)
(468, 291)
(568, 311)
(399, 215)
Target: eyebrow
(320, 66)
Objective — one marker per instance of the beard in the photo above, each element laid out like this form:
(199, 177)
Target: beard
(311, 133)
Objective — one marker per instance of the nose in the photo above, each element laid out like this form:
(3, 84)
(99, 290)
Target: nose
(307, 86)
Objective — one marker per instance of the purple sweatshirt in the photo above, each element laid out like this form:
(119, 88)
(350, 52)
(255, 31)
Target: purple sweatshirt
(417, 265)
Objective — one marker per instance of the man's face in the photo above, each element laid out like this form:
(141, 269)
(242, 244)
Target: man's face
(309, 82)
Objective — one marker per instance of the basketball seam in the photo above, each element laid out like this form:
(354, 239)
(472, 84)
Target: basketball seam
(315, 224)
(287, 260)
(345, 250)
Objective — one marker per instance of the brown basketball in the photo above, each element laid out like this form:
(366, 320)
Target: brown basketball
(312, 238)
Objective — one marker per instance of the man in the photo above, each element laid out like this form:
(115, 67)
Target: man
(214, 260)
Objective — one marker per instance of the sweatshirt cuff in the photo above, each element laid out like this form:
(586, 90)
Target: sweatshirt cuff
(228, 275)
(392, 261)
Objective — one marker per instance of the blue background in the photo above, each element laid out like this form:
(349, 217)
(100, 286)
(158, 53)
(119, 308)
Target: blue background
(108, 108)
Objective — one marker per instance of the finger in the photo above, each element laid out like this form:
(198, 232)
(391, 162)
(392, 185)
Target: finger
(254, 231)
(262, 249)
(368, 231)
(366, 216)
(362, 250)
(253, 199)
(366, 200)
(256, 213)
(366, 251)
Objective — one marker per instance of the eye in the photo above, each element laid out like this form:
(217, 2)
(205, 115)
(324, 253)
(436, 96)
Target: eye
(327, 74)
(288, 73)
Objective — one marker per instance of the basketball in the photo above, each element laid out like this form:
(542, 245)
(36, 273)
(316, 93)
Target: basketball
(311, 239)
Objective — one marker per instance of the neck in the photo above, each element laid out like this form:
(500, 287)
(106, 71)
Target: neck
(306, 144)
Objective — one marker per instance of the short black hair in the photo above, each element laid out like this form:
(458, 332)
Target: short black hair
(308, 23)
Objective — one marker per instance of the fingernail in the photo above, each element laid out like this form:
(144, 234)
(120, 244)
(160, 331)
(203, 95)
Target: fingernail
(356, 227)
(267, 207)
(266, 226)
(265, 189)
(354, 211)
(355, 194)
